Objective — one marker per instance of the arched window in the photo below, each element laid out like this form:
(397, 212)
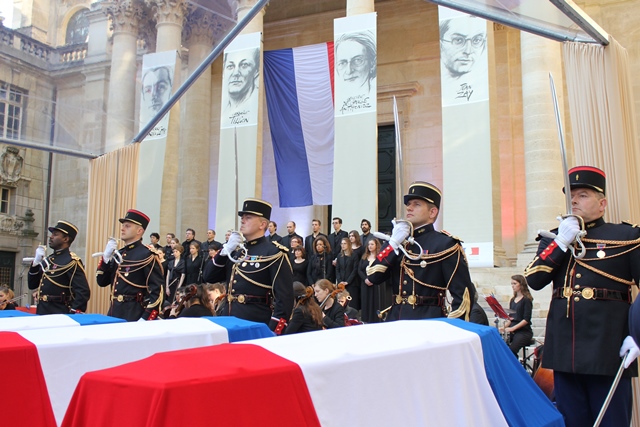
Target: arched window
(78, 28)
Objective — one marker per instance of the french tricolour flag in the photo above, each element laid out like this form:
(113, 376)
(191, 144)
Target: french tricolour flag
(299, 92)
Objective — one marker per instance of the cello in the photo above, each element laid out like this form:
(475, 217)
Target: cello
(543, 377)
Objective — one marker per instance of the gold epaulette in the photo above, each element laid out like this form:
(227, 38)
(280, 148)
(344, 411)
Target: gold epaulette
(446, 233)
(280, 246)
(629, 223)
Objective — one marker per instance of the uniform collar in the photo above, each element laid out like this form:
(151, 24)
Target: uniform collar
(61, 251)
(133, 245)
(256, 241)
(593, 224)
(423, 229)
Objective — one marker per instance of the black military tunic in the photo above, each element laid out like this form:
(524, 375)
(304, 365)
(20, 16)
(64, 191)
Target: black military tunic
(420, 286)
(585, 331)
(62, 287)
(137, 282)
(261, 285)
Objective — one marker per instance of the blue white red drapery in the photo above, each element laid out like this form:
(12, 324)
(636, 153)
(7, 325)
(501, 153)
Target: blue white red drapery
(299, 93)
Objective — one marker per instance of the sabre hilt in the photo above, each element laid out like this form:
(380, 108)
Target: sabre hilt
(240, 250)
(116, 255)
(408, 240)
(578, 238)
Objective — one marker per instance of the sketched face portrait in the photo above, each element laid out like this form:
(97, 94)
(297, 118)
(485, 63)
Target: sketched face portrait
(462, 41)
(156, 88)
(240, 73)
(356, 58)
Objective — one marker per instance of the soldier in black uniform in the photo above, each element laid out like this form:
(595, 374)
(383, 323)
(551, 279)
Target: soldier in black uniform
(420, 281)
(137, 279)
(60, 278)
(261, 283)
(587, 321)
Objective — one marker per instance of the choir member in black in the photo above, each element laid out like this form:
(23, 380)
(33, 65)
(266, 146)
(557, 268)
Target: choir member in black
(60, 277)
(519, 328)
(193, 263)
(260, 280)
(300, 264)
(356, 244)
(307, 315)
(296, 242)
(273, 235)
(336, 237)
(137, 281)
(215, 297)
(190, 236)
(176, 273)
(332, 311)
(155, 239)
(433, 266)
(347, 272)
(210, 242)
(291, 232)
(6, 295)
(168, 249)
(194, 305)
(366, 235)
(315, 233)
(320, 262)
(588, 323)
(370, 293)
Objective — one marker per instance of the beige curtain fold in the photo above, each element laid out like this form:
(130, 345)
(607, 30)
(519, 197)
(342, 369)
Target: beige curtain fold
(112, 190)
(604, 130)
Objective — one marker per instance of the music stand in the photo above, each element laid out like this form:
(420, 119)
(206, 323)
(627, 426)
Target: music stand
(496, 307)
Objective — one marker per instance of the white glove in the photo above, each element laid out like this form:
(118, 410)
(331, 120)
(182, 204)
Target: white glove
(567, 232)
(235, 240)
(401, 231)
(630, 345)
(111, 247)
(41, 252)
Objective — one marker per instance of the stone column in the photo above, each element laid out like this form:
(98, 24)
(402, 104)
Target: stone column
(200, 33)
(170, 17)
(125, 16)
(543, 167)
(358, 7)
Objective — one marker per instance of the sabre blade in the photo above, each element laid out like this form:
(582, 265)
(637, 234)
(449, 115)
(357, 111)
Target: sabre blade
(563, 152)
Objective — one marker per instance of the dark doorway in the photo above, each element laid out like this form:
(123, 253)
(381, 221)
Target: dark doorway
(7, 268)
(386, 177)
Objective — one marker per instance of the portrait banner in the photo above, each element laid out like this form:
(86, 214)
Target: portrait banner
(241, 81)
(466, 134)
(157, 83)
(355, 47)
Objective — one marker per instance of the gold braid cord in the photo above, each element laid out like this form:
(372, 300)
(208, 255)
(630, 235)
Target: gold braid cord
(613, 244)
(270, 260)
(62, 270)
(465, 307)
(133, 267)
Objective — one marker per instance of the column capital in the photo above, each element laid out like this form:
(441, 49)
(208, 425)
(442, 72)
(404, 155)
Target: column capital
(168, 11)
(125, 15)
(242, 7)
(202, 27)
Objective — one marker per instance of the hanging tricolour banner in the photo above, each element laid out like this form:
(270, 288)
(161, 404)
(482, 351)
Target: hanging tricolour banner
(466, 133)
(299, 92)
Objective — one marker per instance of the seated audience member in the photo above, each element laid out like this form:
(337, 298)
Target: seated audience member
(191, 303)
(215, 298)
(6, 295)
(332, 311)
(300, 264)
(478, 315)
(306, 315)
(519, 329)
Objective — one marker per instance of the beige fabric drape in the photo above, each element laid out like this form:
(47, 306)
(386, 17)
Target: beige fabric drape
(112, 190)
(604, 130)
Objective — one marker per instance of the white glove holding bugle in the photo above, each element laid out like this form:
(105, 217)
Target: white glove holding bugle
(235, 240)
(401, 230)
(567, 232)
(110, 249)
(41, 252)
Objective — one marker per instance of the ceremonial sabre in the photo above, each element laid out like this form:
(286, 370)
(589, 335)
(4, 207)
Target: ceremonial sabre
(399, 171)
(616, 380)
(567, 183)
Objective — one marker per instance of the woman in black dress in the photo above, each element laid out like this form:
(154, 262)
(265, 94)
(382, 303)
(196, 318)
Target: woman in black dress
(300, 264)
(320, 265)
(307, 315)
(356, 244)
(369, 292)
(193, 264)
(347, 271)
(175, 273)
(519, 328)
(332, 311)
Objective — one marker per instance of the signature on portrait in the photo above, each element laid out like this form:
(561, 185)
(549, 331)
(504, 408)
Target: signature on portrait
(465, 91)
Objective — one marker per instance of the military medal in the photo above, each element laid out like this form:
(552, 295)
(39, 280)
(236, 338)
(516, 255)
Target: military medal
(600, 253)
(127, 272)
(423, 264)
(244, 264)
(257, 265)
